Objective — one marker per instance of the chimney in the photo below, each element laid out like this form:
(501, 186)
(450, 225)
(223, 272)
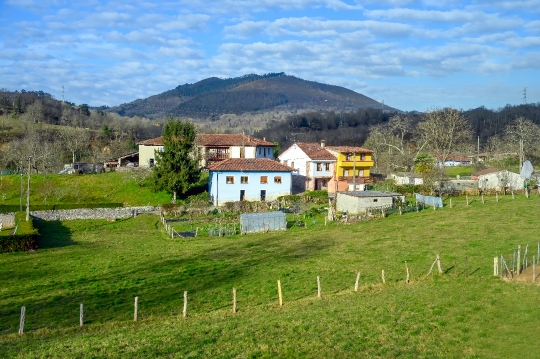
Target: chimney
(264, 138)
(323, 144)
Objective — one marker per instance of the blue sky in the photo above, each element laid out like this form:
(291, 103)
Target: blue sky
(413, 54)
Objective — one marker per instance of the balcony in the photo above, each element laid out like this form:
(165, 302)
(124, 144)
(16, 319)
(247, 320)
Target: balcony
(359, 180)
(216, 156)
(359, 163)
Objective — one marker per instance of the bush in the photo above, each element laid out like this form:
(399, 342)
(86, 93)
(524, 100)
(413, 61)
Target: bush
(24, 240)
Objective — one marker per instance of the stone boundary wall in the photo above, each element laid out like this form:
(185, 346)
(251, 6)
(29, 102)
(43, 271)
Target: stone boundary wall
(7, 219)
(92, 213)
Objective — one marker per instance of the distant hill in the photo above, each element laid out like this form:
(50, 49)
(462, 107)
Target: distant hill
(249, 93)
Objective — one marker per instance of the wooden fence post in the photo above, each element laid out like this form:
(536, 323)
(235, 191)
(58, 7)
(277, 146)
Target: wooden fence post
(408, 275)
(319, 287)
(483, 202)
(439, 264)
(185, 304)
(383, 277)
(279, 293)
(234, 300)
(518, 268)
(23, 318)
(497, 197)
(495, 266)
(81, 315)
(534, 269)
(513, 197)
(450, 202)
(136, 310)
(356, 283)
(467, 198)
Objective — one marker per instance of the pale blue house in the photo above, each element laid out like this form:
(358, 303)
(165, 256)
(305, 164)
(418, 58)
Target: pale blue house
(250, 179)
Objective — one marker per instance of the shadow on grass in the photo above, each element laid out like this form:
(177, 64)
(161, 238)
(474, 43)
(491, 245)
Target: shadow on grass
(53, 234)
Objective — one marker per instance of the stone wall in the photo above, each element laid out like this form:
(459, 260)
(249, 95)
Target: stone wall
(95, 213)
(8, 220)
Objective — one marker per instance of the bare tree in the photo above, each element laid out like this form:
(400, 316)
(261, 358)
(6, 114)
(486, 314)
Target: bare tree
(522, 135)
(444, 131)
(76, 140)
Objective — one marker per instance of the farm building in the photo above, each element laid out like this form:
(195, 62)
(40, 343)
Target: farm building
(262, 222)
(360, 201)
(497, 179)
(407, 178)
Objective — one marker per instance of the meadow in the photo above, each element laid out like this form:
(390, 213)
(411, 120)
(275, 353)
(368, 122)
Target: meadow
(463, 313)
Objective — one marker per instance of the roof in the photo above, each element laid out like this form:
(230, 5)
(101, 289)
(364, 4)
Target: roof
(315, 151)
(407, 174)
(458, 158)
(372, 194)
(250, 164)
(210, 139)
(158, 141)
(486, 171)
(348, 149)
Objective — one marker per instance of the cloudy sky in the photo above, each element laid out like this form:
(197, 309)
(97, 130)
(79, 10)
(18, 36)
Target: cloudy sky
(413, 54)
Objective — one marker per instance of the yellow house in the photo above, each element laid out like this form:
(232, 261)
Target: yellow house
(353, 166)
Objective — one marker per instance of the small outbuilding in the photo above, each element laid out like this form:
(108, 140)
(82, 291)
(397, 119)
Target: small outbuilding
(262, 222)
(497, 179)
(360, 201)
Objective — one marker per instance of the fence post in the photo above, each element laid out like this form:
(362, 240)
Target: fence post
(534, 269)
(319, 287)
(467, 198)
(136, 310)
(234, 300)
(450, 202)
(483, 202)
(496, 266)
(497, 197)
(185, 304)
(81, 315)
(513, 197)
(279, 293)
(383, 277)
(408, 276)
(518, 268)
(439, 264)
(23, 318)
(356, 283)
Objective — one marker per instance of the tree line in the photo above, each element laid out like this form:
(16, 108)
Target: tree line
(51, 133)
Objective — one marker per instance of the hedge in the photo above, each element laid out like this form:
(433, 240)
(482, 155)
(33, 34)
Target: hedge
(24, 240)
(8, 208)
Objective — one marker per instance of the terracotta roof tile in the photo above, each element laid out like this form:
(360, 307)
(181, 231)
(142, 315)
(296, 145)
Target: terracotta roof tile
(225, 140)
(249, 164)
(315, 151)
(348, 149)
(486, 171)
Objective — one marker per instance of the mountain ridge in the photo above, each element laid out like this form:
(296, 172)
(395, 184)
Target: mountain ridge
(251, 93)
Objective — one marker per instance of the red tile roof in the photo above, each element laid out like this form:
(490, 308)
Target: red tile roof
(249, 164)
(348, 149)
(315, 151)
(485, 171)
(218, 140)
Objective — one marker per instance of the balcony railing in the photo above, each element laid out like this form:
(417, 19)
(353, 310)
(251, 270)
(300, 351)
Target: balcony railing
(359, 180)
(213, 156)
(359, 163)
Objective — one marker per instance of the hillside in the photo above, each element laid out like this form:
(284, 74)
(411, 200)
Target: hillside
(464, 312)
(250, 93)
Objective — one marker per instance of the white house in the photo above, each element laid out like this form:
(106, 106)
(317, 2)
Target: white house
(257, 179)
(497, 179)
(213, 148)
(407, 178)
(314, 165)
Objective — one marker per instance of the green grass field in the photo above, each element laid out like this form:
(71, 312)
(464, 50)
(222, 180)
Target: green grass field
(106, 264)
(111, 187)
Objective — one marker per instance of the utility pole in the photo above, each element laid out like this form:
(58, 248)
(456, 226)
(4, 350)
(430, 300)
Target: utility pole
(21, 174)
(28, 191)
(525, 96)
(354, 173)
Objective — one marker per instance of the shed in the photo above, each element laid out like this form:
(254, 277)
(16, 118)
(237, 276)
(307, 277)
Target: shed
(360, 201)
(262, 222)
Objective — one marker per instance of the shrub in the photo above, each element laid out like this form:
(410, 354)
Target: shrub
(24, 240)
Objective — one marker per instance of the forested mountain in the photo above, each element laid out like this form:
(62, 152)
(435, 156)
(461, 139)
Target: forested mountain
(212, 97)
(352, 128)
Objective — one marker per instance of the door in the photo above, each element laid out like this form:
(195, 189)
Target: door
(263, 194)
(242, 194)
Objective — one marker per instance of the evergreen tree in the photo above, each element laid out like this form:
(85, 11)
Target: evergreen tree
(177, 167)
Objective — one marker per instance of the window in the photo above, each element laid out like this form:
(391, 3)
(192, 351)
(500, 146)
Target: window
(327, 166)
(230, 179)
(363, 157)
(348, 156)
(264, 152)
(243, 179)
(375, 200)
(319, 166)
(264, 179)
(151, 162)
(292, 164)
(277, 179)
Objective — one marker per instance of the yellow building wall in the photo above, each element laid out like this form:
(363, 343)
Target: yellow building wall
(365, 164)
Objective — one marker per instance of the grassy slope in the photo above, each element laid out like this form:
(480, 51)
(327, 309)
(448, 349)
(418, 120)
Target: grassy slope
(90, 188)
(105, 264)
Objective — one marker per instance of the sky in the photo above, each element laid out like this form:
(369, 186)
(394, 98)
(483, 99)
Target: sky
(411, 54)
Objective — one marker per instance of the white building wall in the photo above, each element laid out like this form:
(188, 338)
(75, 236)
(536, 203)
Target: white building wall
(498, 180)
(294, 155)
(146, 153)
